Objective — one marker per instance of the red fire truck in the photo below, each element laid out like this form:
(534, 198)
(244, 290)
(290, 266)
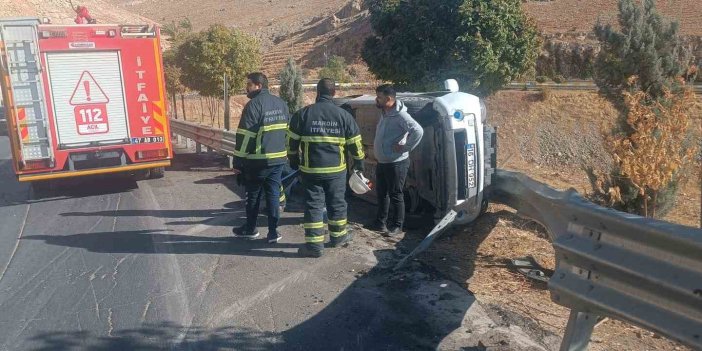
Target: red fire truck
(83, 99)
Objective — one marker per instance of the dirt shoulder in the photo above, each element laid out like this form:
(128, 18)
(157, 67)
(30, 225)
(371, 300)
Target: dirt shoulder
(549, 141)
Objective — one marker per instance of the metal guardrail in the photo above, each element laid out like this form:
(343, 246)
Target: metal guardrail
(608, 264)
(528, 86)
(611, 264)
(310, 86)
(217, 139)
(570, 85)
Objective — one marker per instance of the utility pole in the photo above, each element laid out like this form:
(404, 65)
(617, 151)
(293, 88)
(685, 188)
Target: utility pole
(226, 103)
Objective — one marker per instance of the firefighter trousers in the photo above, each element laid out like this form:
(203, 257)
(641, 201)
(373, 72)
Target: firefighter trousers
(320, 192)
(260, 183)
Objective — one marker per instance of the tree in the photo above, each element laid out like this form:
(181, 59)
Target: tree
(177, 31)
(335, 69)
(173, 74)
(291, 85)
(647, 46)
(484, 44)
(640, 70)
(207, 56)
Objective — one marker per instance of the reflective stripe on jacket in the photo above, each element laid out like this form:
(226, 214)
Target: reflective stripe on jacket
(260, 137)
(320, 134)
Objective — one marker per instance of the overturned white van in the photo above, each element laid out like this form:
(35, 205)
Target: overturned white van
(452, 168)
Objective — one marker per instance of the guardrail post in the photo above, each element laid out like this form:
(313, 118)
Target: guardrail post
(198, 148)
(579, 331)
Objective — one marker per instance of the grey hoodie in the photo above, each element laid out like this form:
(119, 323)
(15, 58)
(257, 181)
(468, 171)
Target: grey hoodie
(396, 127)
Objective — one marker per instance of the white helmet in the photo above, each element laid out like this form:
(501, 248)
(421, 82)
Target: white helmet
(358, 183)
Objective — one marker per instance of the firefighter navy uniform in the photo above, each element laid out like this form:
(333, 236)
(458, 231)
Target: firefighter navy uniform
(261, 154)
(318, 138)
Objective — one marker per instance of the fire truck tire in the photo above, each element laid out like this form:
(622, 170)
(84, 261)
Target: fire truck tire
(142, 174)
(157, 173)
(41, 187)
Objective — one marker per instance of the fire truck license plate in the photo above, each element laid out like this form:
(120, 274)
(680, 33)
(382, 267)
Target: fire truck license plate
(149, 140)
(92, 119)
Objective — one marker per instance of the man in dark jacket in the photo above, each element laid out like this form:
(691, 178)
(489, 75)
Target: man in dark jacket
(318, 137)
(260, 154)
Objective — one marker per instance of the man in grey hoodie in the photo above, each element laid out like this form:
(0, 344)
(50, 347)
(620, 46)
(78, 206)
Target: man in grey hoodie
(397, 134)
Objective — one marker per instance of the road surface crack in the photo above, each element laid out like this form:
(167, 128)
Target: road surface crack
(114, 220)
(210, 277)
(92, 288)
(116, 269)
(19, 239)
(146, 310)
(93, 275)
(51, 264)
(110, 325)
(271, 314)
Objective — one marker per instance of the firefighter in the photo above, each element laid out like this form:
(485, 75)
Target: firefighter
(83, 15)
(318, 137)
(260, 154)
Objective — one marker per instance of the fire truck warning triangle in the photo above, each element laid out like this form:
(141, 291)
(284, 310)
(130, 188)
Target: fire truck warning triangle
(88, 91)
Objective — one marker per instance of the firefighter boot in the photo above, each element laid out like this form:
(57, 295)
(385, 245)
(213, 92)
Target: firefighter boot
(342, 241)
(309, 251)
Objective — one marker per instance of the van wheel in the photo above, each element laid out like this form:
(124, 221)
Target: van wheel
(484, 207)
(157, 173)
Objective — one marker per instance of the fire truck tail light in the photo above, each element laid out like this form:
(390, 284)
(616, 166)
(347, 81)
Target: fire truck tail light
(150, 154)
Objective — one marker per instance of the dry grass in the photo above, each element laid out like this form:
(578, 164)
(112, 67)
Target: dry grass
(563, 16)
(477, 257)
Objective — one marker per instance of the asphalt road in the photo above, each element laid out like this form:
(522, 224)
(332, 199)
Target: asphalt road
(107, 263)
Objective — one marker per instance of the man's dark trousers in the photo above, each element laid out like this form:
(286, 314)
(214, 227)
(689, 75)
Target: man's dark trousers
(259, 182)
(390, 183)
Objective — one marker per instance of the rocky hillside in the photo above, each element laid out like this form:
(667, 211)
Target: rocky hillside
(341, 33)
(267, 19)
(59, 11)
(310, 31)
